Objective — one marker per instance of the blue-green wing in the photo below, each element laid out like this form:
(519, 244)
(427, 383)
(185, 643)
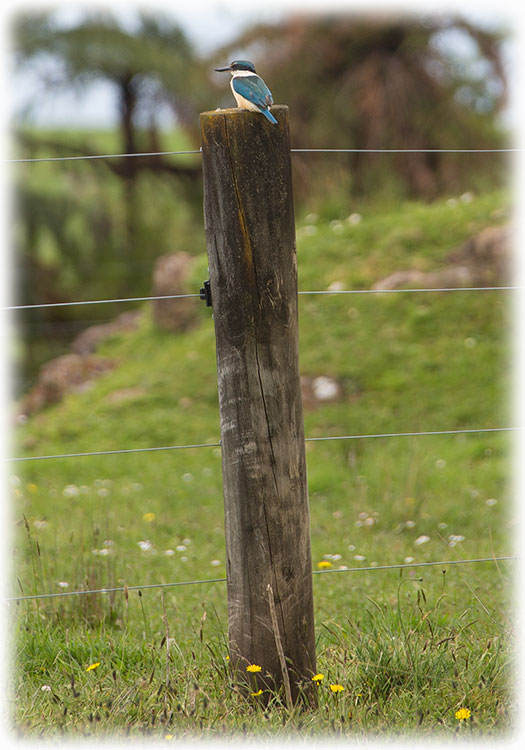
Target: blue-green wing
(254, 89)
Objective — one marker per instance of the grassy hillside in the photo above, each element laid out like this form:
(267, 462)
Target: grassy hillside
(82, 233)
(410, 646)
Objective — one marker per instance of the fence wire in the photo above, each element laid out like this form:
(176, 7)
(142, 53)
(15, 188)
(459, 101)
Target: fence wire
(313, 292)
(318, 292)
(102, 156)
(121, 451)
(405, 150)
(292, 150)
(124, 589)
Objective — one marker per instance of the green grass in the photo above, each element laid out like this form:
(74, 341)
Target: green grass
(410, 646)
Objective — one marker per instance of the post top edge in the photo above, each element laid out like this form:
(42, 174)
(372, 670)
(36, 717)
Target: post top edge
(236, 110)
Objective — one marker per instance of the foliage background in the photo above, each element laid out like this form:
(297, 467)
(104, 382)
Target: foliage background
(351, 81)
(409, 647)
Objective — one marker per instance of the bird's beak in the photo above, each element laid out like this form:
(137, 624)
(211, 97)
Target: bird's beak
(222, 70)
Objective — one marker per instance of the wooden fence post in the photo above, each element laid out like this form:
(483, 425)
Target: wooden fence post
(250, 237)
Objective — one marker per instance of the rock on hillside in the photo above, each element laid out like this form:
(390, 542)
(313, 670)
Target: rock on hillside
(483, 260)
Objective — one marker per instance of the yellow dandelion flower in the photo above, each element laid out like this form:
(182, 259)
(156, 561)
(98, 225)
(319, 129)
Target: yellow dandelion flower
(149, 517)
(253, 668)
(93, 666)
(336, 688)
(31, 487)
(259, 692)
(318, 677)
(462, 714)
(324, 564)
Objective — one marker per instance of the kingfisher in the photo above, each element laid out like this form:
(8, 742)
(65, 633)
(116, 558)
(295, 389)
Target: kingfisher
(249, 89)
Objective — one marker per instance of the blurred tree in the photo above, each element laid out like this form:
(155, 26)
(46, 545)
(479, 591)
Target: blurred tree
(93, 229)
(151, 67)
(376, 82)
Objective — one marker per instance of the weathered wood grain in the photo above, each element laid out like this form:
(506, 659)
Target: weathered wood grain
(250, 236)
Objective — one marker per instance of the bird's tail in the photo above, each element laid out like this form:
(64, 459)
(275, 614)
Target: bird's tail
(269, 116)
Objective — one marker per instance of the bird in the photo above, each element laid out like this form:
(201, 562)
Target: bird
(249, 89)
